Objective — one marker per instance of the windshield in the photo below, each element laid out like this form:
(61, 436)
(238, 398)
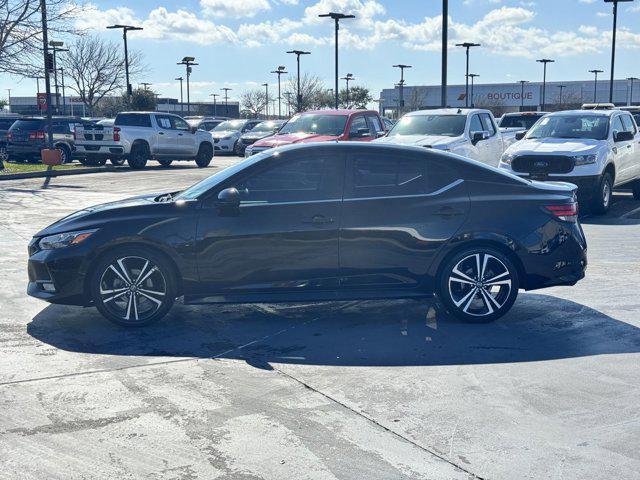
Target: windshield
(229, 126)
(447, 125)
(193, 122)
(265, 127)
(594, 127)
(519, 121)
(318, 124)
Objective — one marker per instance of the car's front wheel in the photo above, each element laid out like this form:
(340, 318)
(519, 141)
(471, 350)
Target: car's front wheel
(601, 200)
(205, 155)
(133, 287)
(478, 284)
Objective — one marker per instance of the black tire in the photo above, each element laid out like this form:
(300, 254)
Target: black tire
(66, 153)
(635, 188)
(238, 149)
(117, 161)
(124, 302)
(164, 162)
(467, 295)
(601, 200)
(138, 157)
(4, 156)
(205, 155)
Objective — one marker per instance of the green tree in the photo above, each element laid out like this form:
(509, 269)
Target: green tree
(359, 97)
(3, 103)
(143, 100)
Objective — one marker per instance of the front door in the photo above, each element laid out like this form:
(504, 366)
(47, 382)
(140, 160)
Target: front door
(284, 239)
(186, 139)
(167, 136)
(493, 145)
(399, 209)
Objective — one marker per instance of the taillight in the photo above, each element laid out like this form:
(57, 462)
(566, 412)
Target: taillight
(567, 212)
(116, 134)
(38, 135)
(9, 136)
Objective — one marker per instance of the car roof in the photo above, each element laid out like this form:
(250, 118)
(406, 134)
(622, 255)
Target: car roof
(534, 112)
(602, 113)
(449, 111)
(340, 111)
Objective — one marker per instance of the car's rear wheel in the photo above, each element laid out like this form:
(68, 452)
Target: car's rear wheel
(601, 200)
(133, 287)
(478, 284)
(138, 157)
(164, 162)
(205, 155)
(65, 153)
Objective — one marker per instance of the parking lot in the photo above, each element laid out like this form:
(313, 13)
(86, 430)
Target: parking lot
(378, 389)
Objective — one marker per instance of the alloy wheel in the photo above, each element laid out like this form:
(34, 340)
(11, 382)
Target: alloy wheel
(480, 284)
(132, 288)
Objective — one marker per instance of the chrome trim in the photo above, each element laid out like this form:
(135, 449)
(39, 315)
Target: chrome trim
(432, 194)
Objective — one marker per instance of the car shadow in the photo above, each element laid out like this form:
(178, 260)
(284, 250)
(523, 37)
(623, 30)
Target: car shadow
(374, 333)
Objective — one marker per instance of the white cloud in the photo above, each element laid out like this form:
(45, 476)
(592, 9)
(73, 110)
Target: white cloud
(234, 8)
(587, 1)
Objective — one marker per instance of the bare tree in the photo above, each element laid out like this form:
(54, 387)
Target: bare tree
(96, 68)
(21, 32)
(253, 102)
(313, 90)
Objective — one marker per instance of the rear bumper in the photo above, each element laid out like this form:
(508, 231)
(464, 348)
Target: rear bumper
(108, 151)
(24, 150)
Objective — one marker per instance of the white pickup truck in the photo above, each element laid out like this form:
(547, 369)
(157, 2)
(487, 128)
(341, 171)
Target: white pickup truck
(141, 136)
(511, 124)
(596, 150)
(470, 132)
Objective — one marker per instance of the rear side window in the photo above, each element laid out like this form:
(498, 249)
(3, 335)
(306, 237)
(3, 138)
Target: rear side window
(133, 120)
(164, 121)
(60, 127)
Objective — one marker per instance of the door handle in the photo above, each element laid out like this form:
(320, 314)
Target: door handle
(180, 134)
(448, 212)
(160, 133)
(318, 220)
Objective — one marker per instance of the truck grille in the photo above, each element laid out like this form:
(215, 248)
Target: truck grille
(542, 164)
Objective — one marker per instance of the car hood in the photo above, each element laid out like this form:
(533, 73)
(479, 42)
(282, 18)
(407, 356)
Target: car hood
(289, 138)
(557, 146)
(420, 140)
(255, 136)
(90, 217)
(224, 133)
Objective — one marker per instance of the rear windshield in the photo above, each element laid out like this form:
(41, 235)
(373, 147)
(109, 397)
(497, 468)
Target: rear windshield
(5, 123)
(519, 121)
(34, 124)
(446, 125)
(133, 119)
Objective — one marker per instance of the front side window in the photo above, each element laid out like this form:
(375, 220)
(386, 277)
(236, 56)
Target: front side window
(357, 124)
(616, 125)
(476, 124)
(627, 121)
(180, 124)
(487, 123)
(571, 126)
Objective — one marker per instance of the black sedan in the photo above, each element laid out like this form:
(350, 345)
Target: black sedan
(262, 130)
(319, 222)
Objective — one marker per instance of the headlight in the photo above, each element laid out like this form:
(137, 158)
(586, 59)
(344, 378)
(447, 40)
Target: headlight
(507, 158)
(585, 159)
(64, 239)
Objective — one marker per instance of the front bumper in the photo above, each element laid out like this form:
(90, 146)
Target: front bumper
(588, 185)
(252, 150)
(224, 146)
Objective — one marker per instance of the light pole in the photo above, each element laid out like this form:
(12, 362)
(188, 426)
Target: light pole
(226, 100)
(631, 79)
(146, 85)
(544, 61)
(561, 87)
(9, 99)
(266, 100)
(613, 43)
(125, 29)
(445, 33)
(472, 76)
(347, 78)
(522, 82)
(595, 84)
(297, 53)
(188, 63)
(56, 48)
(336, 17)
(181, 98)
(280, 71)
(401, 87)
(467, 46)
(288, 97)
(47, 82)
(215, 103)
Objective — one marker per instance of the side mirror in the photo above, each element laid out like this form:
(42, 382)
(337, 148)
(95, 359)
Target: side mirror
(479, 136)
(520, 135)
(229, 202)
(622, 136)
(194, 129)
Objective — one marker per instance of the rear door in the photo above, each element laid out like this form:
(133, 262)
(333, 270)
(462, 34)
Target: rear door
(399, 209)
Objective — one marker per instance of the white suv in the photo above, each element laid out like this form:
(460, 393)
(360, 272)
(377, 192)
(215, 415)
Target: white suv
(596, 150)
(226, 136)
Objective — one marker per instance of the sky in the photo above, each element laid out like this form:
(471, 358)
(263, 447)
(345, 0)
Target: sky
(238, 42)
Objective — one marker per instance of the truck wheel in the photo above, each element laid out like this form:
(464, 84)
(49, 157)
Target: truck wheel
(601, 200)
(635, 187)
(205, 155)
(164, 162)
(117, 161)
(66, 153)
(138, 157)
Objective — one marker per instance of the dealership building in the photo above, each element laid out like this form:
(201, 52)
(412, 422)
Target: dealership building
(510, 97)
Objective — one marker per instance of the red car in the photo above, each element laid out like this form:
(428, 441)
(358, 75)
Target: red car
(324, 126)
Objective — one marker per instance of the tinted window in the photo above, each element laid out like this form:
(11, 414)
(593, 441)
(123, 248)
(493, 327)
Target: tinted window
(295, 180)
(5, 123)
(356, 124)
(628, 123)
(519, 121)
(58, 127)
(476, 124)
(133, 120)
(28, 125)
(487, 123)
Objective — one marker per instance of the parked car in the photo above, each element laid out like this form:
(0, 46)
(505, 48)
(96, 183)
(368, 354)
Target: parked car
(205, 123)
(512, 123)
(596, 150)
(633, 110)
(323, 126)
(28, 136)
(260, 131)
(141, 136)
(470, 132)
(291, 224)
(5, 124)
(226, 136)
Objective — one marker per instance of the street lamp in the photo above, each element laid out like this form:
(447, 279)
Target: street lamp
(347, 78)
(188, 63)
(288, 97)
(215, 104)
(56, 48)
(561, 87)
(336, 17)
(266, 100)
(472, 76)
(595, 84)
(226, 100)
(181, 99)
(297, 53)
(467, 45)
(522, 82)
(613, 42)
(544, 61)
(125, 29)
(445, 41)
(280, 71)
(631, 79)
(146, 85)
(401, 87)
